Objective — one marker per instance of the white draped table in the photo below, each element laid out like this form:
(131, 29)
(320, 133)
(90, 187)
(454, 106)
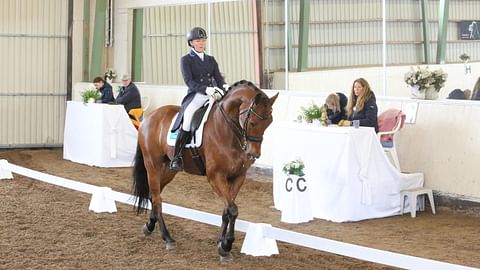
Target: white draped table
(347, 175)
(99, 135)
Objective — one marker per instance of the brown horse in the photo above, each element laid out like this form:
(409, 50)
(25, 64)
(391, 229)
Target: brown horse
(232, 142)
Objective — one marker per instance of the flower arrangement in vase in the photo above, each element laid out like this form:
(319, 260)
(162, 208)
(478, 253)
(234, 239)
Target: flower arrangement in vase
(425, 83)
(110, 75)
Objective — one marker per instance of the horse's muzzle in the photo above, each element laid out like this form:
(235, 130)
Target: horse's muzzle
(253, 151)
(252, 157)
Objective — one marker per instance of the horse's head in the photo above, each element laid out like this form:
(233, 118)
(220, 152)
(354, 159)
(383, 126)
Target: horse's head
(250, 110)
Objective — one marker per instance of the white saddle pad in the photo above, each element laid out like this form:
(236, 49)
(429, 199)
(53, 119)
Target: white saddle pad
(172, 136)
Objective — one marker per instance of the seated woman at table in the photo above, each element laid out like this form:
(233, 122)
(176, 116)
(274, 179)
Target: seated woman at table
(105, 90)
(335, 104)
(362, 105)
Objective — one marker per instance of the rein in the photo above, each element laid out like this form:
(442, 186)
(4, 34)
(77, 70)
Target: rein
(241, 133)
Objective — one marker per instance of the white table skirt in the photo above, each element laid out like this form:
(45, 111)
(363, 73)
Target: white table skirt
(99, 135)
(347, 174)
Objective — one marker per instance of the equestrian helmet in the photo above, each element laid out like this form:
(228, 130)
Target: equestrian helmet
(196, 33)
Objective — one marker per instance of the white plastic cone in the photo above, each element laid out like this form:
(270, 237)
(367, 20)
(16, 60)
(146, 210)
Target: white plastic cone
(101, 202)
(4, 172)
(256, 244)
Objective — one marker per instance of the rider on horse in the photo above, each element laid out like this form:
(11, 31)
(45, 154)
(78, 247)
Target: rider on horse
(202, 76)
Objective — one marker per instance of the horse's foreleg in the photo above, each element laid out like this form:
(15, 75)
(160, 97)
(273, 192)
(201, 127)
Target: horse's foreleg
(220, 187)
(233, 211)
(232, 217)
(227, 230)
(223, 230)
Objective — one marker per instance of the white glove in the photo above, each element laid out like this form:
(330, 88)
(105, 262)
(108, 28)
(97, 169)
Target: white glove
(215, 92)
(218, 94)
(210, 91)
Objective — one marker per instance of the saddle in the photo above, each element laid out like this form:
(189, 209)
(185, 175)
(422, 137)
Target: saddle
(198, 122)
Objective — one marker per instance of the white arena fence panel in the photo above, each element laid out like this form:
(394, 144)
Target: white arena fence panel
(255, 232)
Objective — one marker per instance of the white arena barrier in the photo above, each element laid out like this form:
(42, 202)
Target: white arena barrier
(260, 238)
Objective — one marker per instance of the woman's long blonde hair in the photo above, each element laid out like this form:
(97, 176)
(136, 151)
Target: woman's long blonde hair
(333, 99)
(364, 96)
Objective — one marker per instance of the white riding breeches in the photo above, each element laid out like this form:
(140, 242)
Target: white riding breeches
(197, 102)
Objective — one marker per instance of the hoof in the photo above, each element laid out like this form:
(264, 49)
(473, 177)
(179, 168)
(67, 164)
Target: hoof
(170, 245)
(146, 231)
(224, 255)
(227, 258)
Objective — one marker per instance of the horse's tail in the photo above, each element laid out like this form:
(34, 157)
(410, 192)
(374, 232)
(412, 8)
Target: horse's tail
(140, 182)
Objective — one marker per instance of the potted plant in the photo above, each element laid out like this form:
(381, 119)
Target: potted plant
(90, 95)
(294, 167)
(315, 113)
(425, 83)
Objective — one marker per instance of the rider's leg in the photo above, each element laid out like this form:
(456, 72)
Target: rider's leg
(184, 133)
(182, 138)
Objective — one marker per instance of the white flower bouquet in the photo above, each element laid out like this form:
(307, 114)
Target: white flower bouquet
(110, 74)
(423, 78)
(294, 167)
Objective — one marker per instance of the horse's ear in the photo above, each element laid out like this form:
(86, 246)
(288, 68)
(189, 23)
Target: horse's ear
(272, 99)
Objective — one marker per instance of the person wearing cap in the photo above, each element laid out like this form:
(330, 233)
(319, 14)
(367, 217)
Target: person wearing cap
(202, 76)
(129, 95)
(105, 90)
(459, 94)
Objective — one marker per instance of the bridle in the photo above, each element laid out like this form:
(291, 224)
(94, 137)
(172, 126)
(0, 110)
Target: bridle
(241, 133)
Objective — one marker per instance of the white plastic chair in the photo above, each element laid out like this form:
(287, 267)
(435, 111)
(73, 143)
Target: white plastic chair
(145, 102)
(392, 150)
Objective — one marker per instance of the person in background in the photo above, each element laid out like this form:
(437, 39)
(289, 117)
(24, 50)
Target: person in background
(202, 75)
(105, 90)
(335, 104)
(467, 93)
(459, 94)
(476, 90)
(129, 95)
(362, 105)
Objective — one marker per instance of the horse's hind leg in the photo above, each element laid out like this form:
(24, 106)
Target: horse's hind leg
(158, 178)
(150, 225)
(170, 243)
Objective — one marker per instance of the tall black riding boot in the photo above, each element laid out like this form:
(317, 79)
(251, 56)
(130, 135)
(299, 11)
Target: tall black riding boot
(182, 138)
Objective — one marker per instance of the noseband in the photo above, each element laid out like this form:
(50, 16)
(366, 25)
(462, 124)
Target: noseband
(240, 132)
